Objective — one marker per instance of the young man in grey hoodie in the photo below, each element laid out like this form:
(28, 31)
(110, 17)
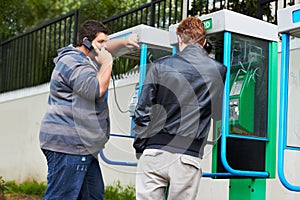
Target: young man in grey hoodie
(76, 124)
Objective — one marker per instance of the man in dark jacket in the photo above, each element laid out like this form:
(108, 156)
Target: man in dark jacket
(179, 97)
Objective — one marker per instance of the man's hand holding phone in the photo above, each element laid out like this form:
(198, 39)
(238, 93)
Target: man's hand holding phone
(103, 57)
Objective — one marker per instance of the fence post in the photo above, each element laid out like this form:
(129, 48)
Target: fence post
(259, 9)
(76, 16)
(152, 14)
(185, 8)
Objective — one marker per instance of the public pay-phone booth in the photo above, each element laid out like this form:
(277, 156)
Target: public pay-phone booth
(244, 142)
(130, 67)
(289, 131)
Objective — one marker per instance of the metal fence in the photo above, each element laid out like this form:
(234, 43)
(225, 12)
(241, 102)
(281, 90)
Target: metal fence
(163, 13)
(157, 13)
(27, 60)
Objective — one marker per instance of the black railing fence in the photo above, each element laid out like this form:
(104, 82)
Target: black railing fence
(158, 13)
(163, 13)
(27, 60)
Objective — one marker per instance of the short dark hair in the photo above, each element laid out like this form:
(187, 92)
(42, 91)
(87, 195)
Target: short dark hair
(90, 29)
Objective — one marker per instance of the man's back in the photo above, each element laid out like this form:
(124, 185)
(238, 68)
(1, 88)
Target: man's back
(179, 97)
(189, 88)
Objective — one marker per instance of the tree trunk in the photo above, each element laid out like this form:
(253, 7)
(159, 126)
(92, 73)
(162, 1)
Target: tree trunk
(1, 195)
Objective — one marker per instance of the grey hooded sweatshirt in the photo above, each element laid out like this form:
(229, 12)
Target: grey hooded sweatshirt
(77, 119)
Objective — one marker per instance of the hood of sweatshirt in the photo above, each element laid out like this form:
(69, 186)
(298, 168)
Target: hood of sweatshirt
(70, 49)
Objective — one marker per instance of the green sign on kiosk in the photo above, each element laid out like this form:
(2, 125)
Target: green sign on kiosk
(207, 24)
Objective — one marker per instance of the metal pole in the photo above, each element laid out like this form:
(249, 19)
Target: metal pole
(185, 9)
(152, 14)
(259, 9)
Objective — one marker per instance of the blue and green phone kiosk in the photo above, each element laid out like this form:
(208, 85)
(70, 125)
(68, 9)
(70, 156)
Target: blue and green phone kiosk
(154, 43)
(288, 137)
(246, 150)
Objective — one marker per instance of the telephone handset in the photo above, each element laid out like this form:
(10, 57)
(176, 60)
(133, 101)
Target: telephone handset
(88, 44)
(208, 47)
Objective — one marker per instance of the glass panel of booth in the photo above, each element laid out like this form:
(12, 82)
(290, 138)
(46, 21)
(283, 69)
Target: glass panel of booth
(248, 86)
(122, 95)
(129, 63)
(248, 101)
(293, 128)
(217, 42)
(126, 73)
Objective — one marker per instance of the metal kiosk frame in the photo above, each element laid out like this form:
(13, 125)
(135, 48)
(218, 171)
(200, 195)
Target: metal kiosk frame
(288, 26)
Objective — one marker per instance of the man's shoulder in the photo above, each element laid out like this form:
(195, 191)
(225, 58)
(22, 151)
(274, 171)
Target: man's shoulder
(221, 68)
(217, 63)
(169, 60)
(164, 59)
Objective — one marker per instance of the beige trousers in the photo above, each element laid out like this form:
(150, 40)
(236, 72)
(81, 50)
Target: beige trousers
(158, 170)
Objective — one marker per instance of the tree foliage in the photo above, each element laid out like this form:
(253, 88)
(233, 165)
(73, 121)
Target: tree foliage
(43, 10)
(246, 7)
(18, 16)
(250, 8)
(101, 10)
(14, 16)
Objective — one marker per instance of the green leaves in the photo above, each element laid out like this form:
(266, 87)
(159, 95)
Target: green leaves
(2, 188)
(27, 187)
(101, 10)
(14, 15)
(119, 192)
(19, 16)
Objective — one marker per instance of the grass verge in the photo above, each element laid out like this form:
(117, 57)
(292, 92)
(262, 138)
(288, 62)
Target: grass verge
(32, 190)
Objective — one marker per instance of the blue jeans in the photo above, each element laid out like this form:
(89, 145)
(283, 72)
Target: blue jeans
(73, 177)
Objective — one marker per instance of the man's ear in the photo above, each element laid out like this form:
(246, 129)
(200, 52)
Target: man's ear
(179, 39)
(204, 43)
(180, 43)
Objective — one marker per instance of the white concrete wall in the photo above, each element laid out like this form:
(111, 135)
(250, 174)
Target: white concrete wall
(20, 118)
(21, 113)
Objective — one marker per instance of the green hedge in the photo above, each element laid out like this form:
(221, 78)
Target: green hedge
(112, 192)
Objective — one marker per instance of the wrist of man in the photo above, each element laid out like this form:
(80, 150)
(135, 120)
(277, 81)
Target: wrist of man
(106, 64)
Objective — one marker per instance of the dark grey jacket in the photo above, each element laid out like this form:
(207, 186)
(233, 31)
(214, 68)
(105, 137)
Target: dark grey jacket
(179, 97)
